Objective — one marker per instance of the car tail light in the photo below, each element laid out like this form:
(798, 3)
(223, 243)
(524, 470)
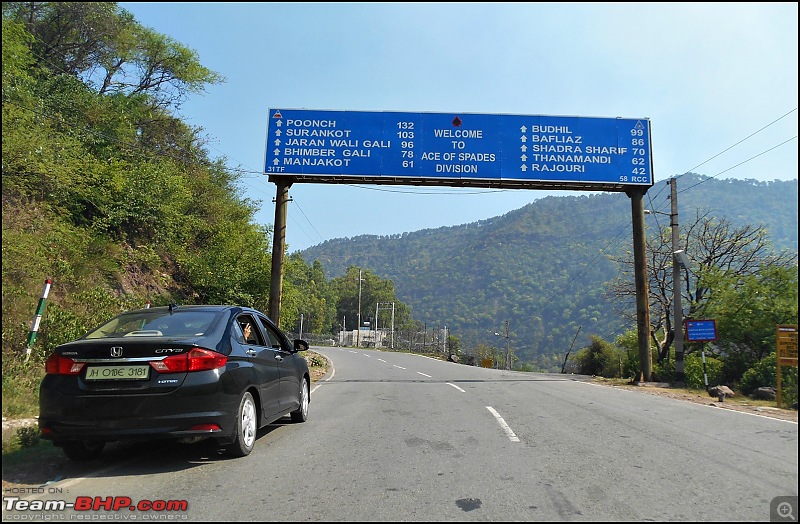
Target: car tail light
(196, 359)
(206, 427)
(58, 365)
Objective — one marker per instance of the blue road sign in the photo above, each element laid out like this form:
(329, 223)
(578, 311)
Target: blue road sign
(701, 330)
(459, 149)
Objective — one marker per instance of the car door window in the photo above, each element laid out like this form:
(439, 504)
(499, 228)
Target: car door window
(273, 339)
(249, 330)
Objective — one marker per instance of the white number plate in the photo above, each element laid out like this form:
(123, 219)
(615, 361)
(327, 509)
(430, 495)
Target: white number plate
(140, 372)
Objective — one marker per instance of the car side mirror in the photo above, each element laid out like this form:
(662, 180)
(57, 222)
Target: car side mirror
(300, 345)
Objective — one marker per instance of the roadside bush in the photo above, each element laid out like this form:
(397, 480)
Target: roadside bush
(765, 374)
(21, 380)
(628, 345)
(28, 436)
(600, 358)
(22, 375)
(693, 369)
(315, 360)
(664, 371)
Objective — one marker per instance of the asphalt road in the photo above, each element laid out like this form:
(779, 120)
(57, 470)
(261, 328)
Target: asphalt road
(400, 437)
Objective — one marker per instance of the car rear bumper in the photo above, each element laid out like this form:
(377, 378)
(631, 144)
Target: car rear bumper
(205, 411)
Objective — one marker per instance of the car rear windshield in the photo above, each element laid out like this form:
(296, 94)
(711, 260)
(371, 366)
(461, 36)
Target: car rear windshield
(154, 323)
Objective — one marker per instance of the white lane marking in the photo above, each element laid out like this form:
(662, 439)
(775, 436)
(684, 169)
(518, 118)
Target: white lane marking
(503, 424)
(423, 374)
(395, 365)
(368, 356)
(333, 372)
(458, 388)
(381, 360)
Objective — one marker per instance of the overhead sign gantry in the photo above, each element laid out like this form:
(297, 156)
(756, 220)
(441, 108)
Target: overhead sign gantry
(458, 149)
(462, 150)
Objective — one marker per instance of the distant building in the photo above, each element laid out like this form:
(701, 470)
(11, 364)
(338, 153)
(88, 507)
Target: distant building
(368, 338)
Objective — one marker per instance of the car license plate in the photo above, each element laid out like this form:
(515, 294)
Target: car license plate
(139, 372)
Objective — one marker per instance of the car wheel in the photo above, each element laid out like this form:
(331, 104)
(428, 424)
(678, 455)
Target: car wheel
(83, 450)
(246, 427)
(301, 414)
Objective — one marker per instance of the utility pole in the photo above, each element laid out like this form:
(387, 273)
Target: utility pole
(680, 375)
(508, 348)
(507, 336)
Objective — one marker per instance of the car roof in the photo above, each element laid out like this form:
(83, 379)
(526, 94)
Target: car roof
(203, 307)
(195, 307)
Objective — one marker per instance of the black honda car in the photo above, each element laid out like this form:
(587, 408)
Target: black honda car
(183, 372)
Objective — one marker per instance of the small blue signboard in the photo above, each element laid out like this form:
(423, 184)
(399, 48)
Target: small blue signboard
(458, 149)
(701, 330)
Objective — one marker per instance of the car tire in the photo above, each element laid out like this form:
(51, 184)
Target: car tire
(301, 413)
(83, 450)
(246, 427)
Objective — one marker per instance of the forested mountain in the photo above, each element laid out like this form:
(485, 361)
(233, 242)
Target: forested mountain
(545, 267)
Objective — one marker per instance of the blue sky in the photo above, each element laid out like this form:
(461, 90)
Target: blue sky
(718, 82)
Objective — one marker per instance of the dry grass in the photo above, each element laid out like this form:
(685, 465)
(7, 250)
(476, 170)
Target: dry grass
(317, 371)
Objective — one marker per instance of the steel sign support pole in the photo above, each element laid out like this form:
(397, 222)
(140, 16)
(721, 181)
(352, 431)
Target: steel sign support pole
(640, 275)
(278, 250)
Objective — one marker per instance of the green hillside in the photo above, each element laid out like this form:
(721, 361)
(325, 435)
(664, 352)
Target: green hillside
(109, 195)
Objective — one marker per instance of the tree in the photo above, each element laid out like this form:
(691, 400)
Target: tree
(453, 348)
(115, 209)
(306, 291)
(600, 358)
(747, 310)
(373, 290)
(486, 352)
(719, 251)
(106, 48)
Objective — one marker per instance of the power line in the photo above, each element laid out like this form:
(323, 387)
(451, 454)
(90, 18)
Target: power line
(307, 220)
(740, 163)
(745, 139)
